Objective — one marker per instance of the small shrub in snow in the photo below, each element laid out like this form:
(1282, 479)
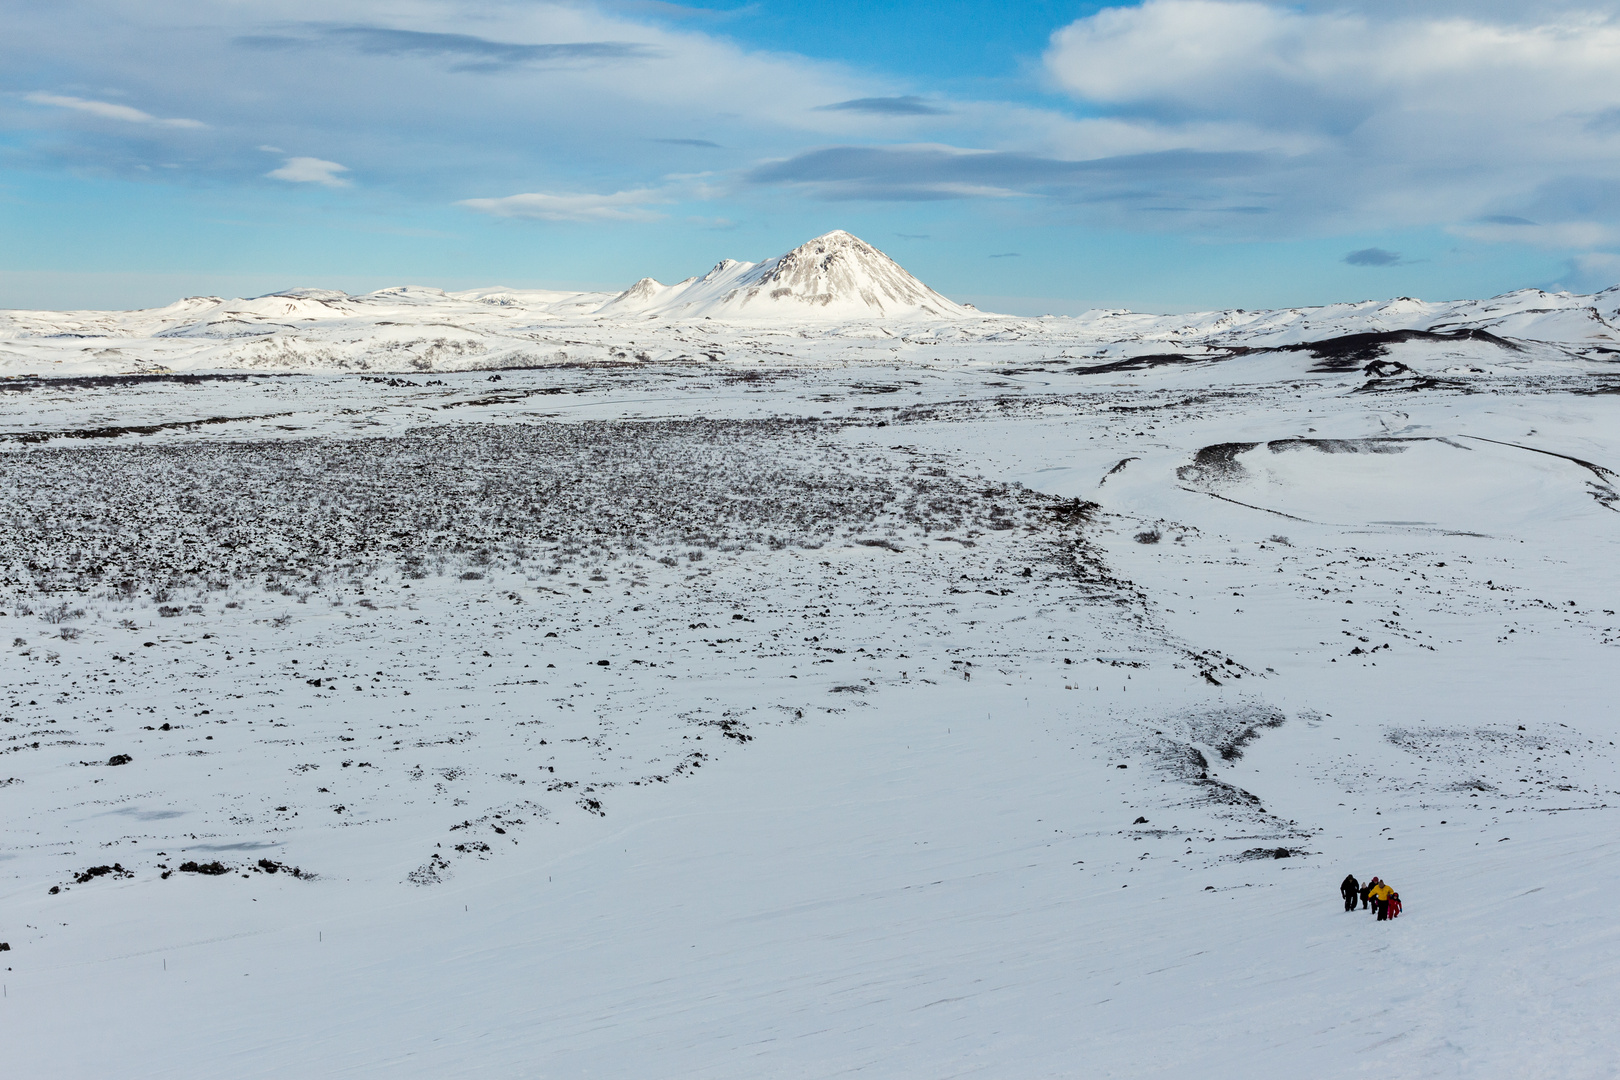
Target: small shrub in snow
(61, 613)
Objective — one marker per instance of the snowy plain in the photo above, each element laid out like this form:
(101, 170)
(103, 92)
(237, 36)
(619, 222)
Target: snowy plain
(906, 696)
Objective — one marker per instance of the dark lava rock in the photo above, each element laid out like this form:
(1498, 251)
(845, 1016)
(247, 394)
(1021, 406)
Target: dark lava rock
(269, 866)
(214, 868)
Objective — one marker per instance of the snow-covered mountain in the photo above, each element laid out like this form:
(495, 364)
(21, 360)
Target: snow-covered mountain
(1524, 314)
(836, 276)
(833, 298)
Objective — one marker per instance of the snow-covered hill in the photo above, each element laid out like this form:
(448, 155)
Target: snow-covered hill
(834, 299)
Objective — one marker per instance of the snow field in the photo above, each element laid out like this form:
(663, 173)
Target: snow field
(918, 856)
(760, 922)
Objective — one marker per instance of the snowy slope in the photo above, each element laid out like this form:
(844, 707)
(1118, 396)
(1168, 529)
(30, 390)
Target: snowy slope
(646, 692)
(728, 719)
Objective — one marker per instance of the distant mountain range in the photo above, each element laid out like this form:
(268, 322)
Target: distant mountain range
(837, 290)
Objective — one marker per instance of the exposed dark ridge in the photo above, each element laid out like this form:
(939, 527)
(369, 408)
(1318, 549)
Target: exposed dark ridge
(127, 429)
(1345, 354)
(98, 382)
(1424, 382)
(1151, 360)
(1218, 462)
(1215, 463)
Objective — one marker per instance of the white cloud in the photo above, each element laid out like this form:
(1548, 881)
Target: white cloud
(309, 170)
(443, 94)
(1229, 117)
(108, 110)
(1394, 120)
(1221, 56)
(619, 206)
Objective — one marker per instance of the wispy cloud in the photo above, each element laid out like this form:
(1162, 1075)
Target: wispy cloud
(108, 110)
(1552, 235)
(470, 53)
(932, 172)
(552, 87)
(1606, 122)
(886, 106)
(544, 206)
(667, 10)
(309, 170)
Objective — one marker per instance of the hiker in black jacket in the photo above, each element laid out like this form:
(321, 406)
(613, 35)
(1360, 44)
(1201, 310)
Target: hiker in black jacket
(1350, 889)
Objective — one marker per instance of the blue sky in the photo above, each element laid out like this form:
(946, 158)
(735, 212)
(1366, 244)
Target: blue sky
(1043, 156)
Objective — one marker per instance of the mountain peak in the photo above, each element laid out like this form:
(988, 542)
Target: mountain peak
(835, 276)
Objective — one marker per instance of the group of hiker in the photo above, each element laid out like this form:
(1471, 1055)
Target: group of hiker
(1384, 901)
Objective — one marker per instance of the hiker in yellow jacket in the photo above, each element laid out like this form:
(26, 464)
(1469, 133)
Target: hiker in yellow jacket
(1380, 894)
